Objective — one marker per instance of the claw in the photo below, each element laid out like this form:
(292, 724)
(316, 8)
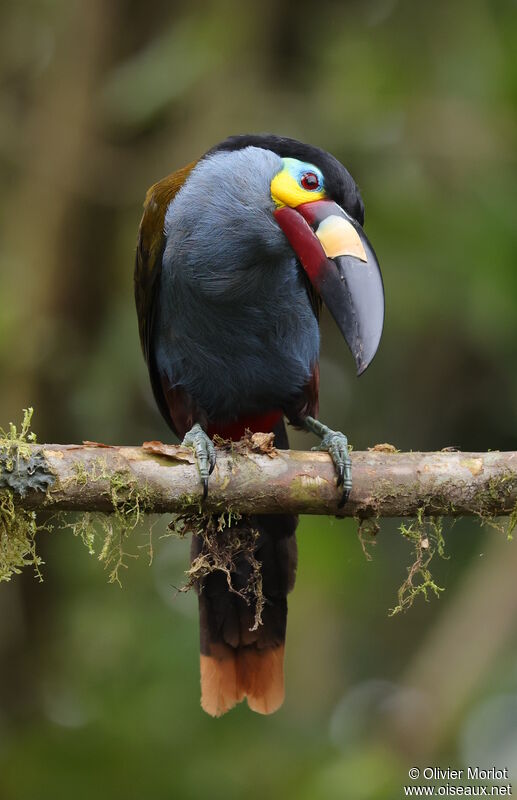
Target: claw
(212, 461)
(205, 488)
(344, 498)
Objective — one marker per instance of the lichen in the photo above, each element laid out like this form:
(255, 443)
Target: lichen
(225, 539)
(19, 470)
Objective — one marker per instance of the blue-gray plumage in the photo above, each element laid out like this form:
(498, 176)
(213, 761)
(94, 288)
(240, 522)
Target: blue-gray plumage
(235, 253)
(233, 301)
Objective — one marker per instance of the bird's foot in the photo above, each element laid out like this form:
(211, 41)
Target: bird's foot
(336, 444)
(203, 447)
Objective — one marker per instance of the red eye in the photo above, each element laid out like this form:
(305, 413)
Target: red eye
(310, 181)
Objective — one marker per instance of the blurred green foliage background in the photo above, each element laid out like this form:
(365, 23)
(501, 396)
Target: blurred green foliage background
(99, 691)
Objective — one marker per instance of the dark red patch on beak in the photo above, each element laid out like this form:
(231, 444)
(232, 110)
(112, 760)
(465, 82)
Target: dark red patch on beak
(305, 244)
(317, 211)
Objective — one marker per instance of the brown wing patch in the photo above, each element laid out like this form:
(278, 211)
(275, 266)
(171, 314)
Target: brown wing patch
(150, 244)
(148, 265)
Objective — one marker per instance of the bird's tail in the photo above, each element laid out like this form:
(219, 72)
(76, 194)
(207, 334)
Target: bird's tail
(243, 631)
(245, 673)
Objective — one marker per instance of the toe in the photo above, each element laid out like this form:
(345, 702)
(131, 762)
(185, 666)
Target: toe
(338, 449)
(205, 454)
(336, 444)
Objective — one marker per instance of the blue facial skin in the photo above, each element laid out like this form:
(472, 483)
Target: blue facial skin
(298, 169)
(234, 324)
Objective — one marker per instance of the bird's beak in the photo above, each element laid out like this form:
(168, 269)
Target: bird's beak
(341, 265)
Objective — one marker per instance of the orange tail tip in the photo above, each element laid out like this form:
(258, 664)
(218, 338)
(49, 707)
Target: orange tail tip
(255, 674)
(261, 674)
(219, 685)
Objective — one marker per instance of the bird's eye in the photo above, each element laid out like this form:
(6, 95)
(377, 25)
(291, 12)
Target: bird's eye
(310, 181)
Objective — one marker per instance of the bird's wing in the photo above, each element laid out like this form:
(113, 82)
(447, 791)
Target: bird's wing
(148, 267)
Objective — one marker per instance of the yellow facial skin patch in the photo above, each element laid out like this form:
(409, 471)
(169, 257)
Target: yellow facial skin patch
(286, 189)
(338, 237)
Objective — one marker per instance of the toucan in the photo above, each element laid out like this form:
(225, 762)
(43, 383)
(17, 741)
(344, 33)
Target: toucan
(236, 254)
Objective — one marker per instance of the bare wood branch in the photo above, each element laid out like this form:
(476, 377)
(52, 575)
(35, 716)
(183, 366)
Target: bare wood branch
(386, 484)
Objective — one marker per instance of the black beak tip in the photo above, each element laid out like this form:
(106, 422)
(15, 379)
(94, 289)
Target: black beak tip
(362, 366)
(365, 353)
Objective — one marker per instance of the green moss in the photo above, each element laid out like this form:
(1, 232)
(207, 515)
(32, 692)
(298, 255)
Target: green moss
(499, 490)
(426, 537)
(18, 530)
(367, 530)
(80, 474)
(85, 529)
(17, 443)
(425, 531)
(511, 524)
(105, 535)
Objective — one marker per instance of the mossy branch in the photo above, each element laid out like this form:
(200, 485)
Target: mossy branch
(254, 478)
(116, 487)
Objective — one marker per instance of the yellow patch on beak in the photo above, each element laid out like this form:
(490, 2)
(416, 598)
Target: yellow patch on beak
(286, 191)
(338, 237)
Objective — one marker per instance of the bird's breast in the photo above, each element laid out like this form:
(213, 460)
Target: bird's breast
(238, 357)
